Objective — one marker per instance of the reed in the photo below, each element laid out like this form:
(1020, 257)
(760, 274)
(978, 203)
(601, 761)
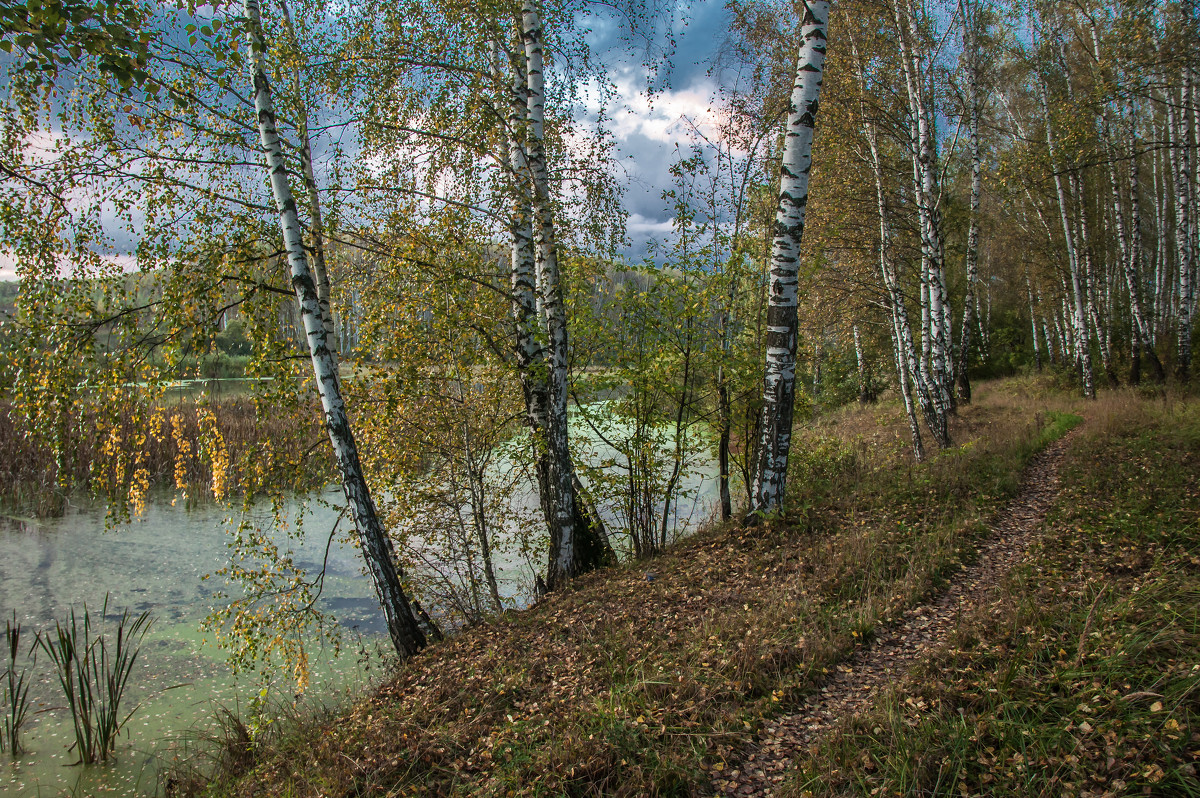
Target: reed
(94, 671)
(175, 453)
(16, 688)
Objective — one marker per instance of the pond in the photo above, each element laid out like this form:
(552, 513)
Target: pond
(157, 563)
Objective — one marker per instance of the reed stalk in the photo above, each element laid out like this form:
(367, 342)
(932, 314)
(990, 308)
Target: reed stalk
(94, 671)
(16, 688)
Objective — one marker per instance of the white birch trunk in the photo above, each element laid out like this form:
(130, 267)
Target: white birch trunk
(779, 386)
(1079, 318)
(907, 367)
(1163, 291)
(935, 304)
(1037, 352)
(905, 382)
(1090, 277)
(970, 301)
(1132, 256)
(562, 564)
(1180, 149)
(405, 632)
(864, 387)
(577, 540)
(316, 222)
(528, 348)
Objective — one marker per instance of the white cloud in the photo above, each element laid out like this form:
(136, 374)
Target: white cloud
(642, 227)
(671, 117)
(8, 264)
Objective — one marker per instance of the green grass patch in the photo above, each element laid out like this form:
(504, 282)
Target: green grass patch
(1081, 676)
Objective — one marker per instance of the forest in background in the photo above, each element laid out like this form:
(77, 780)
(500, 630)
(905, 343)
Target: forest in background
(994, 188)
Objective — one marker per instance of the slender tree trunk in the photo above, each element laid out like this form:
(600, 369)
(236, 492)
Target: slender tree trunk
(909, 366)
(475, 472)
(1178, 130)
(1163, 291)
(865, 394)
(1090, 278)
(405, 632)
(316, 220)
(1037, 352)
(970, 301)
(528, 348)
(779, 387)
(938, 364)
(576, 545)
(724, 413)
(680, 419)
(1080, 337)
(1131, 256)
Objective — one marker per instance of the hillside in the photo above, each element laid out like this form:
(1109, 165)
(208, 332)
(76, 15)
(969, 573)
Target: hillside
(1073, 669)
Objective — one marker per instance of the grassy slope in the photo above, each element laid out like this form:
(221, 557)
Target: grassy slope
(1082, 676)
(647, 678)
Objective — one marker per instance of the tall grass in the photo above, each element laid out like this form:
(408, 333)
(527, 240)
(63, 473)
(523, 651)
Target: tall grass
(94, 671)
(34, 480)
(16, 688)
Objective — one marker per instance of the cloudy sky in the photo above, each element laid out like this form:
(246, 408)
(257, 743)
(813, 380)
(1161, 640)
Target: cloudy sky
(649, 127)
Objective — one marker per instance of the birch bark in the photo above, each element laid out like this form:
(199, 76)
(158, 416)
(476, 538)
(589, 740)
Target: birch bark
(1178, 131)
(405, 632)
(910, 367)
(1163, 284)
(865, 394)
(970, 302)
(577, 542)
(1131, 254)
(779, 385)
(937, 363)
(1083, 354)
(1037, 351)
(528, 338)
(316, 221)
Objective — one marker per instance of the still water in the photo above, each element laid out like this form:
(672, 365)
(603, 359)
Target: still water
(157, 563)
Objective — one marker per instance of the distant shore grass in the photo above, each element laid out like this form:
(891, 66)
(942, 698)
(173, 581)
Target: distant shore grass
(647, 679)
(33, 481)
(1081, 676)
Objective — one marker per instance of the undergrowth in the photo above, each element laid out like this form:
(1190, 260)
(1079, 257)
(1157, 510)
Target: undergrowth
(1081, 675)
(648, 679)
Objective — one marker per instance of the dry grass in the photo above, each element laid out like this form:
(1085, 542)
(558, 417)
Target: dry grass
(645, 679)
(181, 456)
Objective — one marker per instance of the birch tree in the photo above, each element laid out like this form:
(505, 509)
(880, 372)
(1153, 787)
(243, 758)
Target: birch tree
(779, 386)
(405, 632)
(972, 24)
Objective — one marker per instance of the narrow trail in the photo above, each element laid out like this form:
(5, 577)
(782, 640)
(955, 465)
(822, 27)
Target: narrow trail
(860, 679)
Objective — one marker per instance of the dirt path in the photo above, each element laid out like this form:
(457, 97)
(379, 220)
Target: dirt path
(858, 680)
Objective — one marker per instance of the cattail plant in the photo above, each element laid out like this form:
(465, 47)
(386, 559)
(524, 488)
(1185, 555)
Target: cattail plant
(16, 688)
(94, 672)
